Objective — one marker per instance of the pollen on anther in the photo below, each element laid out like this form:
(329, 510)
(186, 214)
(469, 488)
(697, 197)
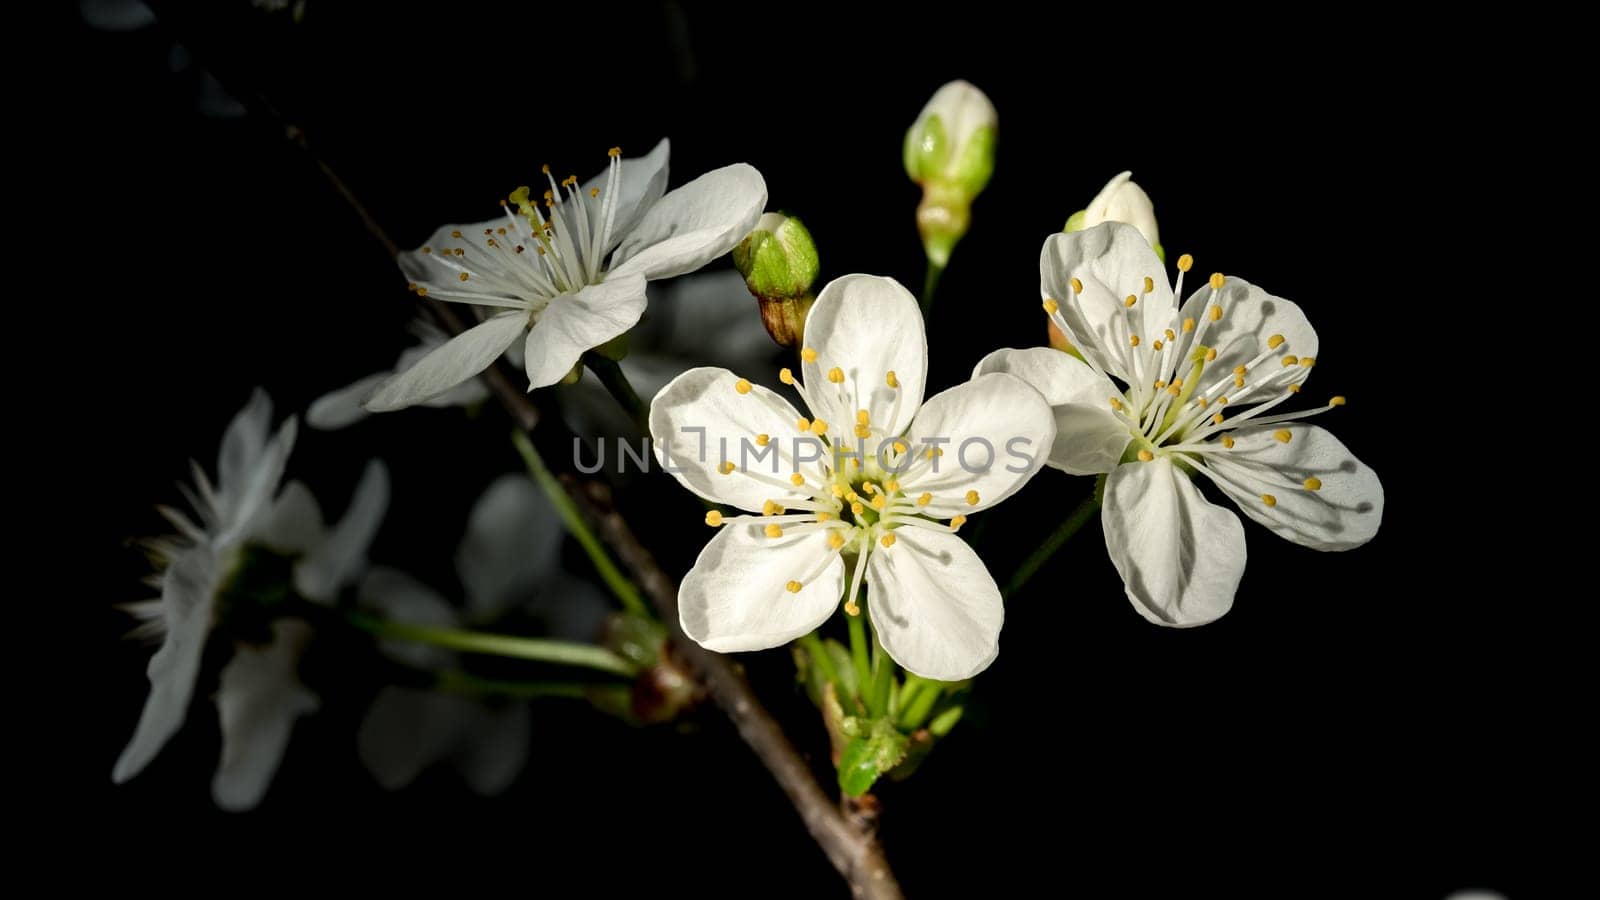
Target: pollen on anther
(1222, 400)
(1283, 435)
(422, 292)
(892, 379)
(935, 451)
(835, 540)
(1130, 301)
(1157, 345)
(1188, 325)
(1269, 500)
(803, 424)
(1149, 284)
(763, 439)
(1216, 314)
(1336, 401)
(837, 490)
(925, 499)
(614, 152)
(1146, 456)
(879, 502)
(1291, 361)
(463, 276)
(857, 508)
(1227, 441)
(818, 427)
(824, 516)
(836, 375)
(1185, 262)
(1216, 419)
(725, 467)
(901, 447)
(808, 354)
(786, 376)
(851, 609)
(972, 498)
(887, 540)
(1216, 281)
(1077, 286)
(1211, 354)
(1116, 403)
(1238, 381)
(1170, 335)
(427, 250)
(456, 235)
(957, 522)
(863, 417)
(1274, 342)
(1308, 361)
(771, 508)
(797, 479)
(1133, 340)
(594, 192)
(714, 518)
(794, 587)
(742, 385)
(1294, 388)
(1313, 483)
(774, 530)
(891, 486)
(863, 431)
(1050, 306)
(544, 169)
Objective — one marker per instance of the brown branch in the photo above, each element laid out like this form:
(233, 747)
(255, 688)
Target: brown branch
(850, 843)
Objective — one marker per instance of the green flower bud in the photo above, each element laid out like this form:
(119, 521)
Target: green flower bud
(779, 263)
(949, 151)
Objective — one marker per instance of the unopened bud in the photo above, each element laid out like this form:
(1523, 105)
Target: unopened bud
(1121, 200)
(949, 151)
(779, 263)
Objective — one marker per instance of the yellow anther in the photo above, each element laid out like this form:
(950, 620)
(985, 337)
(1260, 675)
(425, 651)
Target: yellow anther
(1308, 361)
(763, 439)
(803, 424)
(972, 498)
(1050, 306)
(1188, 325)
(1130, 301)
(1201, 402)
(1116, 403)
(892, 379)
(1222, 400)
(1077, 286)
(869, 487)
(786, 376)
(1238, 381)
(1291, 361)
(1216, 281)
(862, 417)
(925, 499)
(614, 152)
(1240, 370)
(1175, 390)
(1337, 401)
(835, 540)
(549, 195)
(1160, 384)
(863, 431)
(771, 508)
(887, 540)
(1312, 483)
(1211, 354)
(851, 609)
(957, 522)
(1274, 342)
(1269, 500)
(463, 276)
(456, 235)
(1146, 456)
(900, 447)
(459, 252)
(1216, 419)
(857, 508)
(1170, 335)
(836, 375)
(891, 486)
(594, 192)
(1177, 382)
(852, 496)
(1283, 435)
(824, 516)
(725, 467)
(837, 490)
(808, 354)
(1216, 314)
(1294, 388)
(774, 530)
(422, 291)
(742, 385)
(879, 502)
(794, 587)
(1157, 345)
(714, 518)
(1185, 262)
(569, 181)
(427, 250)
(1227, 441)
(797, 479)
(1133, 340)
(818, 427)
(1149, 284)
(544, 169)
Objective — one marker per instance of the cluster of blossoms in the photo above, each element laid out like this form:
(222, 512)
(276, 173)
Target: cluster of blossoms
(848, 493)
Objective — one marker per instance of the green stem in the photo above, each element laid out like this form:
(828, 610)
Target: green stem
(1065, 530)
(930, 283)
(946, 721)
(820, 658)
(562, 653)
(882, 677)
(465, 682)
(858, 652)
(908, 693)
(921, 707)
(610, 374)
(619, 584)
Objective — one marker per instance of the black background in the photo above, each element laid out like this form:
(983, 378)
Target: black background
(1375, 723)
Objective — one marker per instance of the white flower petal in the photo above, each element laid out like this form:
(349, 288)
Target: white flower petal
(694, 224)
(934, 606)
(1179, 555)
(187, 593)
(396, 595)
(735, 598)
(294, 525)
(700, 420)
(1250, 317)
(463, 357)
(407, 730)
(243, 444)
(640, 184)
(1121, 200)
(496, 749)
(434, 270)
(342, 407)
(866, 326)
(574, 323)
(258, 701)
(1090, 439)
(512, 544)
(249, 469)
(339, 558)
(1111, 261)
(998, 432)
(1344, 511)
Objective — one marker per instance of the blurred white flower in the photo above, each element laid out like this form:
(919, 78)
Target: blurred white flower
(508, 561)
(342, 407)
(1194, 386)
(238, 522)
(571, 276)
(768, 578)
